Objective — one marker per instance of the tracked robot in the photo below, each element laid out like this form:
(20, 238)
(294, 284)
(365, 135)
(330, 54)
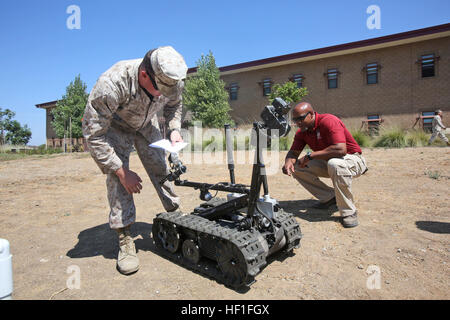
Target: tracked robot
(230, 239)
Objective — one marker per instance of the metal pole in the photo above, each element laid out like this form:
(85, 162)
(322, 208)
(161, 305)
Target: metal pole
(70, 130)
(230, 147)
(65, 133)
(255, 186)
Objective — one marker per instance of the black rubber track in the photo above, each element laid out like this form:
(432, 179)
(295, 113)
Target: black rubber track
(248, 243)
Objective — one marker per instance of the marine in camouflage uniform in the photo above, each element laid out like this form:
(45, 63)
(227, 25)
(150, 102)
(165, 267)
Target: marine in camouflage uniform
(121, 113)
(438, 128)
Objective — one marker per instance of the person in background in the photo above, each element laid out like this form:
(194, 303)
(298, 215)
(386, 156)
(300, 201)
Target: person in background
(438, 129)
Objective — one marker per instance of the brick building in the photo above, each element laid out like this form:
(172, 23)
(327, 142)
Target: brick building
(400, 79)
(52, 140)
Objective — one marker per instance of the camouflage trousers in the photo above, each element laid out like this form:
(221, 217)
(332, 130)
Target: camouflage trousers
(341, 171)
(438, 133)
(123, 210)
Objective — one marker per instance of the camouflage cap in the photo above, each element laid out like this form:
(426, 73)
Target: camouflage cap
(169, 68)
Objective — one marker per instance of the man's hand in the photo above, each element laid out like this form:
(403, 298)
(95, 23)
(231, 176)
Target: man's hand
(175, 137)
(130, 180)
(288, 167)
(289, 162)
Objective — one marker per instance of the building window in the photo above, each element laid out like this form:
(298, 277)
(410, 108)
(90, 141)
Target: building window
(267, 86)
(233, 91)
(373, 124)
(332, 75)
(428, 63)
(372, 73)
(427, 120)
(298, 79)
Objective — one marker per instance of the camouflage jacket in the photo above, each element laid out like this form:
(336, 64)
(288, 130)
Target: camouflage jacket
(437, 123)
(118, 100)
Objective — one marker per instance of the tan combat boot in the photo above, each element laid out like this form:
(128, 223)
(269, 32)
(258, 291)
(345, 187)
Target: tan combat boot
(127, 261)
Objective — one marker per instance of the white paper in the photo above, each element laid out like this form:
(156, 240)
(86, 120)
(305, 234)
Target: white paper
(167, 145)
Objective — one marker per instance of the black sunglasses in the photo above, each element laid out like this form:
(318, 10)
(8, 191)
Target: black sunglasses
(300, 118)
(151, 75)
(152, 79)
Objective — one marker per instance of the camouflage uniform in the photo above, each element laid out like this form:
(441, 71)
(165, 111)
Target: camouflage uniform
(120, 114)
(437, 128)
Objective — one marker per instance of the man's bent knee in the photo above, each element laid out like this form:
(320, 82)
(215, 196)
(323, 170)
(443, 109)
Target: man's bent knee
(336, 166)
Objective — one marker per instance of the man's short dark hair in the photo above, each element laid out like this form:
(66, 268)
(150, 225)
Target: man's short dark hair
(147, 63)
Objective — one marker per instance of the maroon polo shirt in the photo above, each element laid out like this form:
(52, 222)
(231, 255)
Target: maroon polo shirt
(328, 130)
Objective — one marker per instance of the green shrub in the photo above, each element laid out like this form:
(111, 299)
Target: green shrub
(41, 150)
(361, 138)
(286, 142)
(433, 174)
(391, 138)
(416, 138)
(245, 146)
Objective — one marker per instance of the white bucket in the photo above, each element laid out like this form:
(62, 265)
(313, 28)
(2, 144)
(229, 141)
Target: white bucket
(6, 278)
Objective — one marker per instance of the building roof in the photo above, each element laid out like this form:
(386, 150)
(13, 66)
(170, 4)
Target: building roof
(47, 105)
(434, 32)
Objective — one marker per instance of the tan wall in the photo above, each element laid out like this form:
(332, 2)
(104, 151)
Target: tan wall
(399, 97)
(49, 130)
(59, 143)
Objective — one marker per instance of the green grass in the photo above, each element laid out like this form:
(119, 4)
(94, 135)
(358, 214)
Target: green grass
(15, 152)
(362, 138)
(433, 174)
(11, 156)
(391, 138)
(417, 138)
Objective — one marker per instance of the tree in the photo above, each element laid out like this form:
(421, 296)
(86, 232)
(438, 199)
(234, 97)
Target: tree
(288, 91)
(69, 110)
(17, 135)
(5, 119)
(205, 94)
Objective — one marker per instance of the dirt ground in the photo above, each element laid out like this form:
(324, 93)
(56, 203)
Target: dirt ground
(54, 212)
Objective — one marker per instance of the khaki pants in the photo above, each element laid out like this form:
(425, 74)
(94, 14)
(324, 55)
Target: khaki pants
(341, 171)
(123, 210)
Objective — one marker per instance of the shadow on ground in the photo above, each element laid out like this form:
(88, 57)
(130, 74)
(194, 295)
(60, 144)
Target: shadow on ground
(302, 209)
(434, 226)
(103, 241)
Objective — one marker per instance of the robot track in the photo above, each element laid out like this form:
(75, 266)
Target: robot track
(217, 250)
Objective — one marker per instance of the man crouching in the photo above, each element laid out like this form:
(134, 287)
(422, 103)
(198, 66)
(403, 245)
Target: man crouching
(335, 155)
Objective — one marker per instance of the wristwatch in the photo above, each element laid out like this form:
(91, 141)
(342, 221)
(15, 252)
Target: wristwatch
(308, 155)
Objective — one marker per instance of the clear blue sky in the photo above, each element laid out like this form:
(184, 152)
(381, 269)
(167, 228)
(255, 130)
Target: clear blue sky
(40, 56)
